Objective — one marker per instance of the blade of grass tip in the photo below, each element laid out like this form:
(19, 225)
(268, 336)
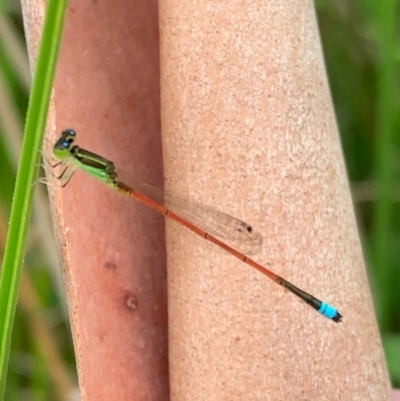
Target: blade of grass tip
(26, 177)
(387, 122)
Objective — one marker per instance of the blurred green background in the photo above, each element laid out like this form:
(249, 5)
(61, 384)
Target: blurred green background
(362, 57)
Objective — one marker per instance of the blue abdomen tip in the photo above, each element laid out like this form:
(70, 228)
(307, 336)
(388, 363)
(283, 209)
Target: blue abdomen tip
(328, 311)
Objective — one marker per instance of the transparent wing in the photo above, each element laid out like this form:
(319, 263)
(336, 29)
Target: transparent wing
(234, 232)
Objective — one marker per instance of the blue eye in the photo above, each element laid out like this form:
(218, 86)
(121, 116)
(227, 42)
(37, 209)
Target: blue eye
(65, 144)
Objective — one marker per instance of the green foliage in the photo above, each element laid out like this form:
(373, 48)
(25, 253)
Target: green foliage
(361, 51)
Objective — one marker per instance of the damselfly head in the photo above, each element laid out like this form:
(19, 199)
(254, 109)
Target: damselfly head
(63, 146)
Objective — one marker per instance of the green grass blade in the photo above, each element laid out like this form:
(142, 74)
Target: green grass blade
(26, 177)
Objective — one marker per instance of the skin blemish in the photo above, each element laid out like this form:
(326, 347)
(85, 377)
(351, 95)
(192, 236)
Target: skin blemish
(110, 266)
(130, 301)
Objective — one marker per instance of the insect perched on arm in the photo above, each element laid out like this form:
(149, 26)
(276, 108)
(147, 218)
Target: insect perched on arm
(214, 226)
